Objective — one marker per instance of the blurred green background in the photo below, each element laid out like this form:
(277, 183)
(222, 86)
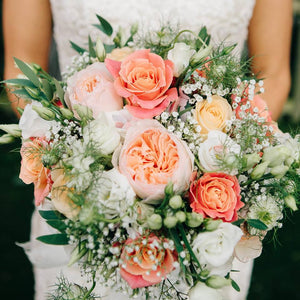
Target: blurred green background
(276, 272)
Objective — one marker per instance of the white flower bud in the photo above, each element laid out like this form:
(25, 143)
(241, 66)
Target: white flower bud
(180, 216)
(290, 202)
(217, 282)
(200, 55)
(206, 292)
(176, 202)
(12, 129)
(67, 114)
(44, 112)
(170, 221)
(276, 155)
(100, 50)
(211, 225)
(6, 139)
(84, 112)
(194, 220)
(251, 160)
(279, 171)
(259, 170)
(155, 222)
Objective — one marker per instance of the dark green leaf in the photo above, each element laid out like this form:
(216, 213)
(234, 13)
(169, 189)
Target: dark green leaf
(77, 48)
(22, 93)
(47, 89)
(59, 90)
(105, 26)
(57, 224)
(27, 72)
(257, 224)
(49, 214)
(235, 285)
(109, 48)
(54, 239)
(91, 48)
(238, 222)
(20, 82)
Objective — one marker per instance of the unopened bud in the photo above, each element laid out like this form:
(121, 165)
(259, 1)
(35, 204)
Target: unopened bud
(211, 225)
(87, 214)
(154, 222)
(259, 170)
(12, 129)
(217, 282)
(204, 273)
(45, 103)
(44, 112)
(176, 202)
(100, 50)
(170, 221)
(6, 139)
(34, 93)
(66, 113)
(279, 171)
(276, 155)
(193, 219)
(250, 160)
(134, 28)
(84, 112)
(180, 216)
(290, 202)
(200, 55)
(49, 160)
(169, 189)
(229, 49)
(77, 254)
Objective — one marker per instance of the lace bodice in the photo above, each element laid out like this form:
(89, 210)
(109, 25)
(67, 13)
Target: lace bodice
(73, 19)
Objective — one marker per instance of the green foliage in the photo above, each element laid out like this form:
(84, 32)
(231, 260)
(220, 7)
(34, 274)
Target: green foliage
(257, 224)
(54, 239)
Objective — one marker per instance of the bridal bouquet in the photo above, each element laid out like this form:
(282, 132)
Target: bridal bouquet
(156, 160)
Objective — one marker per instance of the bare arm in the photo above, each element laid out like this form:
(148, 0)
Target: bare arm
(269, 42)
(27, 35)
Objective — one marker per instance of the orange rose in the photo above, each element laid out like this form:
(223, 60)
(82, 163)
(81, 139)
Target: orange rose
(144, 79)
(145, 261)
(216, 195)
(59, 195)
(33, 170)
(212, 115)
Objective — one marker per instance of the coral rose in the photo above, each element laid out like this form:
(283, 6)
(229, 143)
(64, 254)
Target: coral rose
(60, 197)
(216, 195)
(144, 79)
(94, 88)
(213, 115)
(145, 261)
(33, 170)
(151, 157)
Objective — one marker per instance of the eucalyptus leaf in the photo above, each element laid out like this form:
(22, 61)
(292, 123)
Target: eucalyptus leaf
(77, 48)
(238, 222)
(59, 90)
(19, 82)
(49, 214)
(47, 89)
(28, 72)
(105, 26)
(235, 285)
(91, 48)
(54, 239)
(22, 93)
(109, 48)
(257, 224)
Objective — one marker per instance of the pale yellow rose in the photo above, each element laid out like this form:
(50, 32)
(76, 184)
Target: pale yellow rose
(213, 115)
(119, 54)
(59, 195)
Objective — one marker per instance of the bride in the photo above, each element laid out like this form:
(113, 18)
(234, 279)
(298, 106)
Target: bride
(265, 24)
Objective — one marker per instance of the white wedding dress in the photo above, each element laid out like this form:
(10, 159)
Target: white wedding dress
(73, 19)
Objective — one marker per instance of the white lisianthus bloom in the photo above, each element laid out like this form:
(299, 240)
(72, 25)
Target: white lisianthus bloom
(291, 143)
(215, 248)
(114, 194)
(214, 150)
(31, 124)
(202, 292)
(180, 55)
(102, 134)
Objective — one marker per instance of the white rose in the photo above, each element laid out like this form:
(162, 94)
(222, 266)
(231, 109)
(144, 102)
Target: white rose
(202, 292)
(31, 124)
(218, 145)
(116, 195)
(102, 133)
(215, 248)
(180, 55)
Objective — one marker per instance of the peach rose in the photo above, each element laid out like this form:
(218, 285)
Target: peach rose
(93, 87)
(59, 195)
(119, 54)
(151, 157)
(33, 170)
(213, 115)
(144, 79)
(145, 261)
(216, 195)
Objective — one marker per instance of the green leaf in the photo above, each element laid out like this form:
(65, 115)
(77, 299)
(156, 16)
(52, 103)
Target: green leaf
(257, 224)
(108, 48)
(49, 214)
(22, 93)
(57, 224)
(27, 72)
(54, 239)
(59, 90)
(91, 48)
(47, 89)
(104, 26)
(77, 48)
(19, 82)
(235, 285)
(238, 222)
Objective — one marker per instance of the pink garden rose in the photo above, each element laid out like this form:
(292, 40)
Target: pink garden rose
(144, 79)
(151, 157)
(33, 170)
(93, 87)
(145, 261)
(216, 195)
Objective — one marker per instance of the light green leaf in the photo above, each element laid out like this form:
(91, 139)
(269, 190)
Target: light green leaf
(19, 82)
(59, 90)
(28, 72)
(91, 48)
(47, 89)
(77, 48)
